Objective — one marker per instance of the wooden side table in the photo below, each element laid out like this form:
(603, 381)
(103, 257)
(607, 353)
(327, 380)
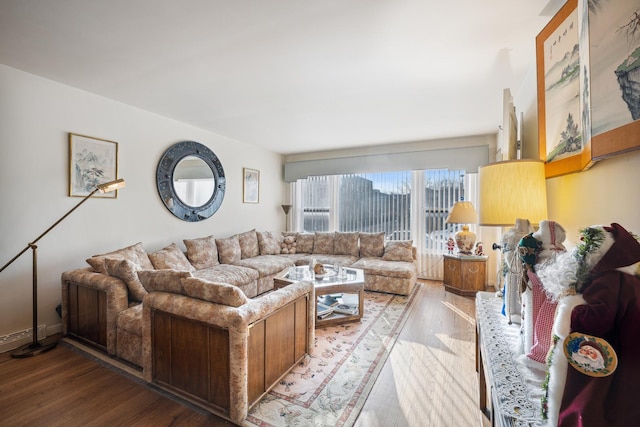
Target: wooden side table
(465, 275)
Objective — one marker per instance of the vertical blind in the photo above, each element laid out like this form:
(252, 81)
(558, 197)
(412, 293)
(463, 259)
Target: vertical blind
(404, 205)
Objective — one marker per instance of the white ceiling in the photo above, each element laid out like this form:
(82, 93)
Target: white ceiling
(289, 75)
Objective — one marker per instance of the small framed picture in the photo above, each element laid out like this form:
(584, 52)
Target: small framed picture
(92, 161)
(251, 185)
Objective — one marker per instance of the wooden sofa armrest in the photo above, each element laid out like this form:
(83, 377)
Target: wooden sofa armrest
(238, 352)
(84, 289)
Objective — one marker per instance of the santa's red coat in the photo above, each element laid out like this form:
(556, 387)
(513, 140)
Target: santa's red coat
(611, 312)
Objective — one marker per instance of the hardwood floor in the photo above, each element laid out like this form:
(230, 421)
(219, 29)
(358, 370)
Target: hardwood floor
(428, 380)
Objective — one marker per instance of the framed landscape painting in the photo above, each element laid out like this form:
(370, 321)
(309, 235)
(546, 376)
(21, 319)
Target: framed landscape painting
(92, 161)
(614, 44)
(562, 143)
(251, 185)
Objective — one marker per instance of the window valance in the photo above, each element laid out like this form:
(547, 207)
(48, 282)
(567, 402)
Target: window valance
(461, 158)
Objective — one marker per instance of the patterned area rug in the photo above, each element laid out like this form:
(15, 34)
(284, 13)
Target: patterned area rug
(329, 387)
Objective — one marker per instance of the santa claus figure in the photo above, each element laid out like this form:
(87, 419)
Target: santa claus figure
(598, 298)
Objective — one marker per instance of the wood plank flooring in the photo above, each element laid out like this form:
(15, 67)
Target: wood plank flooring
(428, 380)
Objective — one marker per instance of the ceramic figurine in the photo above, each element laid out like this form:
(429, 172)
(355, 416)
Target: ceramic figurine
(450, 245)
(479, 249)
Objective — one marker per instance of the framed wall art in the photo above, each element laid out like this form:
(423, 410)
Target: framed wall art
(92, 161)
(562, 143)
(614, 61)
(251, 185)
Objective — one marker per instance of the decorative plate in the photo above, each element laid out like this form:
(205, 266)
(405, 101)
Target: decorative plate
(590, 355)
(327, 273)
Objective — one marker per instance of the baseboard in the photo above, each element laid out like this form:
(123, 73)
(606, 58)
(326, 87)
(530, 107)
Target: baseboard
(16, 339)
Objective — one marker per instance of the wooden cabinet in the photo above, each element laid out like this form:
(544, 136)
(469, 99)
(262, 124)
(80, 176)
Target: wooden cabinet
(87, 314)
(465, 275)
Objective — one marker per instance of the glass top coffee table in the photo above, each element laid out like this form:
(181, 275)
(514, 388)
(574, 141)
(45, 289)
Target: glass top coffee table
(339, 294)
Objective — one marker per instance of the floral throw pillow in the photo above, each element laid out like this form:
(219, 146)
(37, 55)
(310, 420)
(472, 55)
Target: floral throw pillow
(269, 242)
(229, 250)
(371, 244)
(323, 243)
(170, 257)
(163, 280)
(304, 243)
(127, 271)
(220, 293)
(345, 244)
(202, 252)
(248, 244)
(134, 253)
(398, 251)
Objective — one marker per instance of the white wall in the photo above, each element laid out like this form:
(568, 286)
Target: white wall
(36, 116)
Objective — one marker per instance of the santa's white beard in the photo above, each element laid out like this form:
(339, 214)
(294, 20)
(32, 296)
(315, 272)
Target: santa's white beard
(559, 275)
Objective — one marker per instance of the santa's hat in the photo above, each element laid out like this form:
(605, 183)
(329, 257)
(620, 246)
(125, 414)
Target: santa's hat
(619, 249)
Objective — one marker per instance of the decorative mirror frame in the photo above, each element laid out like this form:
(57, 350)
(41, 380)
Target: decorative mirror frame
(166, 190)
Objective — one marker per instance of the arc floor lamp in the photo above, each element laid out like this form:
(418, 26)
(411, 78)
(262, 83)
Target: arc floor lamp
(38, 347)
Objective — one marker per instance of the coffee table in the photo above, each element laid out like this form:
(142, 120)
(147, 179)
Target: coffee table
(351, 284)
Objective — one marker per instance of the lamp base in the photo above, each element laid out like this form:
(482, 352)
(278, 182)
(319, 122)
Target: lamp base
(29, 350)
(465, 240)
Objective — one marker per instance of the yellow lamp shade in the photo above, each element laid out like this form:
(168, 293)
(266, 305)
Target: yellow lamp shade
(510, 190)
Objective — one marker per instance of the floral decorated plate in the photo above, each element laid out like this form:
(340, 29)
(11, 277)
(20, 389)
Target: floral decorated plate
(590, 355)
(327, 273)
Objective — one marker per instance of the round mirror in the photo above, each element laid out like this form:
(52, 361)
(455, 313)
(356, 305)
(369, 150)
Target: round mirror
(191, 181)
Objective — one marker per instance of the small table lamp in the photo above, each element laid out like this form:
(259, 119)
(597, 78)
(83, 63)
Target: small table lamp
(463, 213)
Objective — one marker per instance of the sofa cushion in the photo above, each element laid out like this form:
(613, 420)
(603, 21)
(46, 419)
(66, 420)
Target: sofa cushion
(269, 242)
(393, 269)
(220, 293)
(345, 244)
(163, 280)
(248, 244)
(202, 252)
(130, 320)
(170, 257)
(304, 242)
(371, 244)
(323, 243)
(227, 273)
(229, 250)
(267, 264)
(128, 272)
(398, 251)
(134, 253)
(343, 260)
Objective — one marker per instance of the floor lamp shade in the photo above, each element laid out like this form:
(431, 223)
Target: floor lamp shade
(512, 189)
(463, 213)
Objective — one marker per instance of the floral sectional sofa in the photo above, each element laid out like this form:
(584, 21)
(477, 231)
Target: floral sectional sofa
(125, 297)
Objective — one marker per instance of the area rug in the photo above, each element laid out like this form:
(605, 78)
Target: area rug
(330, 386)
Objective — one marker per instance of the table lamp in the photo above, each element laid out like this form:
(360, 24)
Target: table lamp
(463, 213)
(512, 191)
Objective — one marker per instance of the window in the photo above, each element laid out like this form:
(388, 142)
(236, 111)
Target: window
(382, 202)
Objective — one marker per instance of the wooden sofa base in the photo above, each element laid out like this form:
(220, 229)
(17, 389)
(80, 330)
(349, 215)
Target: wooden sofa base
(192, 358)
(86, 311)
